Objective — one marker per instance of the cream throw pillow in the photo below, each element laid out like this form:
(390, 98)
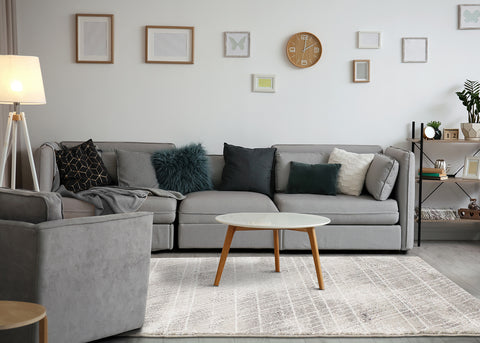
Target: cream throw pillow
(351, 176)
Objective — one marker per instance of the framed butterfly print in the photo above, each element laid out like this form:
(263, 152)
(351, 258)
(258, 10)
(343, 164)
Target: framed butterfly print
(237, 44)
(469, 17)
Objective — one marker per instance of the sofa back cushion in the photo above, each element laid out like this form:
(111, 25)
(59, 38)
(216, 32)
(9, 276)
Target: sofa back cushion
(109, 157)
(28, 206)
(311, 154)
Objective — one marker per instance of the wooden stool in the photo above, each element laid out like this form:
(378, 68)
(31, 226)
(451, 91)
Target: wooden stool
(15, 314)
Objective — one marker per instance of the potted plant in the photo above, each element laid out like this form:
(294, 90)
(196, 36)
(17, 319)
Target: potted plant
(436, 124)
(470, 98)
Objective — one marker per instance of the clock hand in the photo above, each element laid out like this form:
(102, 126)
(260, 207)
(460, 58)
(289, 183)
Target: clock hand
(305, 49)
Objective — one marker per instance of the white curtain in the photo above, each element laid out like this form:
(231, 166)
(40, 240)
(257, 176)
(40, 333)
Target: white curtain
(8, 46)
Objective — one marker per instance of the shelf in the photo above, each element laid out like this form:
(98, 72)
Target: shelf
(451, 180)
(456, 221)
(450, 141)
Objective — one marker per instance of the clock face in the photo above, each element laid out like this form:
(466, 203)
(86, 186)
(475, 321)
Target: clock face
(304, 49)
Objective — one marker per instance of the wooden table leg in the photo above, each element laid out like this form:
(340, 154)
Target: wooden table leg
(43, 330)
(316, 256)
(225, 250)
(276, 244)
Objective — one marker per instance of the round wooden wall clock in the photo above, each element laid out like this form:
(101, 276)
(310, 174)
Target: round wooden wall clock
(304, 49)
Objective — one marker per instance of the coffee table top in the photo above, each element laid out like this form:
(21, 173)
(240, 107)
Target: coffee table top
(274, 220)
(14, 314)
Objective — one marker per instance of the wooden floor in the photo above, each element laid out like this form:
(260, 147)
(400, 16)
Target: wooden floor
(459, 261)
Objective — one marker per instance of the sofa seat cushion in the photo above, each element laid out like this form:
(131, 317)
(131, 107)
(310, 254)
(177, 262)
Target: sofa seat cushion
(203, 207)
(164, 209)
(341, 209)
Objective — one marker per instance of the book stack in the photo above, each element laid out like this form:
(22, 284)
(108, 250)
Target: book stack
(433, 174)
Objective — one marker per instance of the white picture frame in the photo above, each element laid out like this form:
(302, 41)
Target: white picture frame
(471, 168)
(469, 17)
(94, 38)
(361, 71)
(169, 44)
(264, 83)
(237, 44)
(369, 40)
(415, 50)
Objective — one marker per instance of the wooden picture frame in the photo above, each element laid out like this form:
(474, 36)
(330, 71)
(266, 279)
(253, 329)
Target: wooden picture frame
(94, 38)
(471, 168)
(369, 40)
(469, 17)
(361, 71)
(169, 44)
(236, 44)
(415, 50)
(450, 134)
(263, 83)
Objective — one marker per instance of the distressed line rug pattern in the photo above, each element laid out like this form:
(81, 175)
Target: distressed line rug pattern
(363, 296)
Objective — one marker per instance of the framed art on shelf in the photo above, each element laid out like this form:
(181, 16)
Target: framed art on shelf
(237, 44)
(415, 50)
(361, 70)
(94, 38)
(368, 40)
(169, 44)
(469, 17)
(471, 168)
(450, 134)
(263, 83)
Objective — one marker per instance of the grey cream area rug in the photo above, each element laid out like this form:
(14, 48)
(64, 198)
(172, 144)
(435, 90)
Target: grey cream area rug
(364, 296)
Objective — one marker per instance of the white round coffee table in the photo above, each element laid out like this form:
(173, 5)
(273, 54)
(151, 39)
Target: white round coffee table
(275, 222)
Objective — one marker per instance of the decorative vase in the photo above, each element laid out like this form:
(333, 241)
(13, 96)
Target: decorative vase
(438, 134)
(471, 131)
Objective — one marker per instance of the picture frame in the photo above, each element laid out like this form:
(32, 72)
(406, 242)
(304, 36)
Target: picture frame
(236, 44)
(361, 71)
(369, 40)
(469, 17)
(471, 168)
(94, 38)
(169, 44)
(415, 50)
(263, 83)
(450, 134)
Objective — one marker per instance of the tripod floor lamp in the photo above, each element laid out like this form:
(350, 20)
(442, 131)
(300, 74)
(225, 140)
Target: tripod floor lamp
(20, 83)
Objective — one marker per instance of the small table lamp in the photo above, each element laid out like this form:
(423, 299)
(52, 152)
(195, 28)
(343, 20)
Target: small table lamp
(20, 83)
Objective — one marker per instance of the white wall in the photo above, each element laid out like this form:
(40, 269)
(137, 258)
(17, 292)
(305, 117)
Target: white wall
(211, 101)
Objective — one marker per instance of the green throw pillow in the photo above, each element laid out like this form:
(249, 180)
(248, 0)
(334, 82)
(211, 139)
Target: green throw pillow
(183, 170)
(313, 178)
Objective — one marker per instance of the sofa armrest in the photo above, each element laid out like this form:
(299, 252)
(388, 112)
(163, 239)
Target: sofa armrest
(404, 193)
(84, 270)
(46, 166)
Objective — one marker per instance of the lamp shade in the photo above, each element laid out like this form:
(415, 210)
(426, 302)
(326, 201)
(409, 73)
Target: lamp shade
(21, 80)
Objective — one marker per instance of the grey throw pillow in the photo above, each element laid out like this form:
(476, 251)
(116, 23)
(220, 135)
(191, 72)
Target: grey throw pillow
(381, 176)
(135, 169)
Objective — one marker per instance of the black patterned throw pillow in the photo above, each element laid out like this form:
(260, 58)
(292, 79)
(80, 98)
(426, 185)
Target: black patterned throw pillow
(81, 167)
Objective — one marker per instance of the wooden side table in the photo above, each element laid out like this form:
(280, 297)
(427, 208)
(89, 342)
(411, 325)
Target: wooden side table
(15, 314)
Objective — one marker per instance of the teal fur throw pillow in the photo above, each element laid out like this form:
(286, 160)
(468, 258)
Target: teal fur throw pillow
(183, 170)
(313, 178)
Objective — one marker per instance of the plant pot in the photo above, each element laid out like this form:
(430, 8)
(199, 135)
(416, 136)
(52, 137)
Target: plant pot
(471, 131)
(438, 134)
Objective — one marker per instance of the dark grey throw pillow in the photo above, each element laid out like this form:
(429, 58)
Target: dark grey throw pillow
(313, 178)
(183, 170)
(248, 169)
(381, 176)
(135, 169)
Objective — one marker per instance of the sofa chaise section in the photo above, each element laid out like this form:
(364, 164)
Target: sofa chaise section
(164, 209)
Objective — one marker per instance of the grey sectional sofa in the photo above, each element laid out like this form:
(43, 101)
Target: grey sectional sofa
(357, 222)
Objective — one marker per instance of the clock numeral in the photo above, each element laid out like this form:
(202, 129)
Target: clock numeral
(292, 49)
(304, 62)
(304, 37)
(316, 49)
